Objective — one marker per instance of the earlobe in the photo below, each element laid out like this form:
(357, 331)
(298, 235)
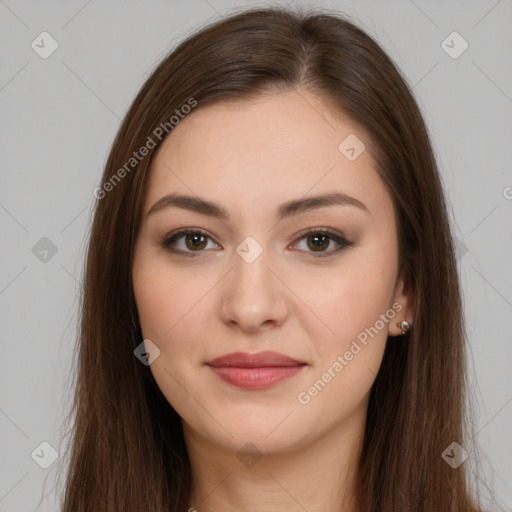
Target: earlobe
(404, 317)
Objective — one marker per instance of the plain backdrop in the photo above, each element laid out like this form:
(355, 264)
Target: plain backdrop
(59, 116)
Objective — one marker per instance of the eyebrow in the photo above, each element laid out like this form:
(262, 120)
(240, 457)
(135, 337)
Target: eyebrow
(287, 209)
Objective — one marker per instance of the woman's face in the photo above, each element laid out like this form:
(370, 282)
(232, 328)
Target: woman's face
(249, 278)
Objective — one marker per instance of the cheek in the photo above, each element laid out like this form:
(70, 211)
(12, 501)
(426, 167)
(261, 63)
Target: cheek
(166, 304)
(356, 306)
(175, 311)
(357, 309)
(349, 301)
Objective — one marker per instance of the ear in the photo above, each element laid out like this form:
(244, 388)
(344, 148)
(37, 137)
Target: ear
(403, 305)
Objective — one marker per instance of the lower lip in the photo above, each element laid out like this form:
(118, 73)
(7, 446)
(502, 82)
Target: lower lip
(254, 378)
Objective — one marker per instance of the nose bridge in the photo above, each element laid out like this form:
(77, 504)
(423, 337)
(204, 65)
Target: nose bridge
(253, 295)
(251, 276)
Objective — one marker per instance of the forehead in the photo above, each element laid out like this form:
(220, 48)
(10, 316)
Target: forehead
(264, 151)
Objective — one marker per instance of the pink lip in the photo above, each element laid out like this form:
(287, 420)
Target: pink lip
(255, 370)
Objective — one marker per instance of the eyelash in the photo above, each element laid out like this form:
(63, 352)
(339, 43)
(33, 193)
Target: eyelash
(343, 243)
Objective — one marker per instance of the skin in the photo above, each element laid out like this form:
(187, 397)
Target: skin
(251, 156)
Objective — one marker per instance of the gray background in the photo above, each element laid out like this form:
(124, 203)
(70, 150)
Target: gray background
(58, 119)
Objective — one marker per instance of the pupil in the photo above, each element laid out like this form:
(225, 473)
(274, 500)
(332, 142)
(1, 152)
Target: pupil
(317, 239)
(196, 240)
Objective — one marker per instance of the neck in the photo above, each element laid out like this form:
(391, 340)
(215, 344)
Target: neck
(319, 475)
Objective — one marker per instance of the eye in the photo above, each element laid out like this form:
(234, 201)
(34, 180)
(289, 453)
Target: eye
(319, 239)
(196, 240)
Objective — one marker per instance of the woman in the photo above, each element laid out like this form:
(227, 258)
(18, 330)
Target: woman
(271, 313)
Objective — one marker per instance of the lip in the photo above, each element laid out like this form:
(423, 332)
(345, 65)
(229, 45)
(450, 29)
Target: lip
(254, 371)
(258, 360)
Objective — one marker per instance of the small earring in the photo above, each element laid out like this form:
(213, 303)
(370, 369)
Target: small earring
(404, 325)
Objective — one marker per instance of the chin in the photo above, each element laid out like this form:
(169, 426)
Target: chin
(246, 433)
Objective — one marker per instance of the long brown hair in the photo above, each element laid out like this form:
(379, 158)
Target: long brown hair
(127, 451)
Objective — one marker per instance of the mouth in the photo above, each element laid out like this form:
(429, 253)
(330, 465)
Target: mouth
(255, 371)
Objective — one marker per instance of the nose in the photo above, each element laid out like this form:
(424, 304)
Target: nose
(253, 297)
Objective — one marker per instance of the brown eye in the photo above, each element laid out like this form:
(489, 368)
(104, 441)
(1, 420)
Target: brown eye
(318, 242)
(195, 240)
(319, 239)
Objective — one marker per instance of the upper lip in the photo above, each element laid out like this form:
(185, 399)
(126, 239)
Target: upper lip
(258, 360)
